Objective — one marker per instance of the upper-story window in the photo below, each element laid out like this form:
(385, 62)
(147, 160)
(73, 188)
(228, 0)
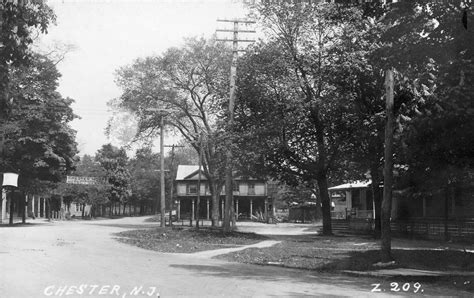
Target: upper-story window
(192, 189)
(251, 188)
(235, 186)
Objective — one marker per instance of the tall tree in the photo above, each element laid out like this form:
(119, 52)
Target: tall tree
(144, 183)
(18, 21)
(38, 139)
(94, 195)
(188, 85)
(407, 36)
(287, 103)
(114, 161)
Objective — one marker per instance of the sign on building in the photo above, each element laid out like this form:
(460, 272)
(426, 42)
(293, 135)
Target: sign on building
(85, 180)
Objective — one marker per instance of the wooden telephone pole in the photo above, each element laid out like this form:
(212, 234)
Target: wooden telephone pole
(172, 180)
(388, 170)
(229, 200)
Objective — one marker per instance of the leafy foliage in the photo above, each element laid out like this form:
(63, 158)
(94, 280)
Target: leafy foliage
(17, 21)
(187, 86)
(39, 142)
(114, 162)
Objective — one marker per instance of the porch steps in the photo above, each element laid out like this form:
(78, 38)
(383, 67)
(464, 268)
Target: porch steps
(338, 227)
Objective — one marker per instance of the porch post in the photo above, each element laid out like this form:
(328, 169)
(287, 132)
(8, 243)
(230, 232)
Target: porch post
(33, 206)
(44, 208)
(4, 206)
(192, 209)
(25, 208)
(266, 209)
(207, 213)
(222, 211)
(273, 207)
(237, 208)
(251, 208)
(179, 210)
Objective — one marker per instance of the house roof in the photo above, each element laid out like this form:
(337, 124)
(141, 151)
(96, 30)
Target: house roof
(355, 184)
(187, 172)
(190, 172)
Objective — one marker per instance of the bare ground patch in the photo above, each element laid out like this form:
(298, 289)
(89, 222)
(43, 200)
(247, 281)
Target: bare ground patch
(186, 240)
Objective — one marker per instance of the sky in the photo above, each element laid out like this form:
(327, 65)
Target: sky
(108, 34)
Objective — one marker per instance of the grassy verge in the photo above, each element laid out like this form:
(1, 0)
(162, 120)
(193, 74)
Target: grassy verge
(336, 254)
(186, 240)
(350, 253)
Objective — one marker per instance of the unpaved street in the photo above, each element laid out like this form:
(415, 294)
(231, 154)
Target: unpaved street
(81, 259)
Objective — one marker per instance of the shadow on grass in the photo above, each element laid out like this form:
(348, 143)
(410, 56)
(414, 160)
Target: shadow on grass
(272, 273)
(438, 260)
(25, 225)
(128, 226)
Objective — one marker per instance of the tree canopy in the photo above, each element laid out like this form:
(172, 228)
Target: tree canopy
(18, 19)
(39, 141)
(187, 86)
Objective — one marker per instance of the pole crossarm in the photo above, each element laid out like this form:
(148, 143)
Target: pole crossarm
(235, 40)
(237, 20)
(232, 30)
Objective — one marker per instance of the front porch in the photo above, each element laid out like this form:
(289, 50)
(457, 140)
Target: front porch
(245, 207)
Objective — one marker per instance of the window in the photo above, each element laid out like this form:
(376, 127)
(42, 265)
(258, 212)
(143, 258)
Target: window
(235, 186)
(251, 188)
(192, 189)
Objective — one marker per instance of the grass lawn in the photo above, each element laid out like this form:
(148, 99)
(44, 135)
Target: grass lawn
(335, 254)
(186, 240)
(350, 253)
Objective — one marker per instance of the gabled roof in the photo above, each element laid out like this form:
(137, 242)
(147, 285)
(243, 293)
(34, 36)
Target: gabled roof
(355, 184)
(188, 172)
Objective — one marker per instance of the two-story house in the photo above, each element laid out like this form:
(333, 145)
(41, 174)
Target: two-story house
(250, 196)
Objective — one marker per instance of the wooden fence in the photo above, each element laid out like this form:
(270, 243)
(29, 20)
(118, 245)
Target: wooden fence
(435, 228)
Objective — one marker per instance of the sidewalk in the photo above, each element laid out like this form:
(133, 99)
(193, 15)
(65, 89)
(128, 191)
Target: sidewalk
(407, 272)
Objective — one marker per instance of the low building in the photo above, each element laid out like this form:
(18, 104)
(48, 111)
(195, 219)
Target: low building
(250, 196)
(352, 200)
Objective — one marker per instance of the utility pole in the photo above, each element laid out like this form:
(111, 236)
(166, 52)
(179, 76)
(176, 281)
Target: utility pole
(198, 197)
(172, 180)
(229, 200)
(387, 170)
(162, 165)
(162, 173)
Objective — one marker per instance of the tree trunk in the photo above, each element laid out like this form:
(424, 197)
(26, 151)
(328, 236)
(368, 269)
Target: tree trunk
(83, 211)
(48, 200)
(11, 209)
(377, 197)
(228, 196)
(446, 213)
(326, 205)
(23, 208)
(215, 194)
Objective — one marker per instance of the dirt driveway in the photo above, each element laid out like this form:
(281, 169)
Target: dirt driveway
(81, 259)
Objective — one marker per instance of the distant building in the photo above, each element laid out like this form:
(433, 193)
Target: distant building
(250, 196)
(352, 200)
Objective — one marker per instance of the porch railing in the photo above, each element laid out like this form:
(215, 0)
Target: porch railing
(352, 213)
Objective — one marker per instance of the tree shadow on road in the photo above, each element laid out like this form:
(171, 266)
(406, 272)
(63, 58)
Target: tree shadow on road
(274, 273)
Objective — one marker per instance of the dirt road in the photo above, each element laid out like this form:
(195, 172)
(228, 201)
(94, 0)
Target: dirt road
(81, 259)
